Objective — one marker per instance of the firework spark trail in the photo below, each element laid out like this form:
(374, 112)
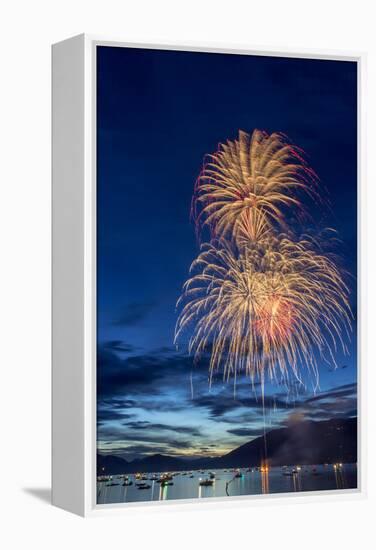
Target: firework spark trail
(259, 301)
(262, 310)
(248, 184)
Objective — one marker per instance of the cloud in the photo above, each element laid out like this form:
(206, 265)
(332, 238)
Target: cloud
(116, 375)
(145, 373)
(114, 411)
(133, 387)
(144, 425)
(242, 418)
(340, 409)
(132, 451)
(109, 415)
(134, 313)
(339, 402)
(246, 432)
(119, 346)
(342, 391)
(110, 435)
(220, 405)
(117, 403)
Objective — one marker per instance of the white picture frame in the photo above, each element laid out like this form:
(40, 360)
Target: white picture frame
(74, 274)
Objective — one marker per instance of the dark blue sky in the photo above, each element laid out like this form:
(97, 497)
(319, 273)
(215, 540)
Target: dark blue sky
(159, 113)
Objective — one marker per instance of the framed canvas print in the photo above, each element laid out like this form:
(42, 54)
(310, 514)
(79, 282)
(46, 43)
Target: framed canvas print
(206, 304)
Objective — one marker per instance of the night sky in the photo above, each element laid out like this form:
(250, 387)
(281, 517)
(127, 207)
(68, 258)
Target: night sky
(158, 114)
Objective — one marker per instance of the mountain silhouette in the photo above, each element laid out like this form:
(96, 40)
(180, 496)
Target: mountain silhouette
(306, 442)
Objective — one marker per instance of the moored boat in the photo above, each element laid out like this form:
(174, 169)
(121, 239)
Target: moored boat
(127, 483)
(206, 482)
(143, 486)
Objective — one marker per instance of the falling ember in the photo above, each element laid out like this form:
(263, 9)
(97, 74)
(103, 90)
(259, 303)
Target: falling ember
(260, 301)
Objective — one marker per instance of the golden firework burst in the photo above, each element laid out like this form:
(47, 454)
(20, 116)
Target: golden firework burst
(247, 185)
(264, 309)
(260, 301)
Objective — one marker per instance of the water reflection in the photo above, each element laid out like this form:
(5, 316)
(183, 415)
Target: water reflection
(296, 481)
(340, 476)
(264, 470)
(226, 483)
(163, 492)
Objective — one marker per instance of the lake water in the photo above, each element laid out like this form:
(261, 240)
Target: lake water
(275, 480)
